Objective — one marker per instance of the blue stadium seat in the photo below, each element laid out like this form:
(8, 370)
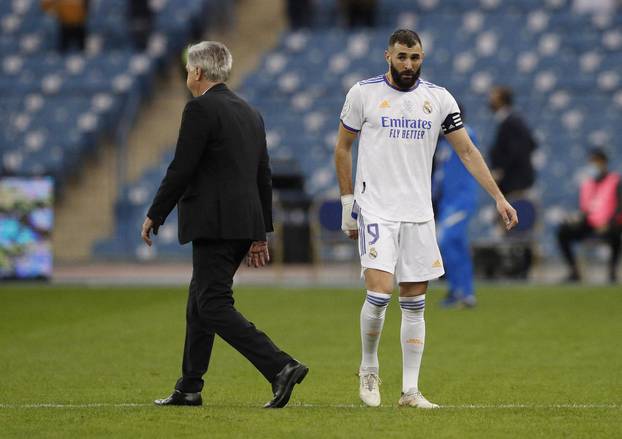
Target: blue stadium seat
(55, 108)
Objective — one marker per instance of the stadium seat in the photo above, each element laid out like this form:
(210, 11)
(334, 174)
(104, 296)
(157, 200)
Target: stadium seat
(66, 103)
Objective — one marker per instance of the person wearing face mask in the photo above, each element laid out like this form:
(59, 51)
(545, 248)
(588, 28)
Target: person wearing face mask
(600, 205)
(510, 153)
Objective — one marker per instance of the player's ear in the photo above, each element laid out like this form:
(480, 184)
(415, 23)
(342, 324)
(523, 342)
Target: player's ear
(387, 56)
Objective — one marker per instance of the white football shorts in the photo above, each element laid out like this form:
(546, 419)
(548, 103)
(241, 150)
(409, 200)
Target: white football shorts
(407, 250)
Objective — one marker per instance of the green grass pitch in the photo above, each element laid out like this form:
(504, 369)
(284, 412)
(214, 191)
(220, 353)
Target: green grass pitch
(528, 362)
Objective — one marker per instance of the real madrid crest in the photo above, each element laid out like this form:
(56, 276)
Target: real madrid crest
(373, 253)
(427, 107)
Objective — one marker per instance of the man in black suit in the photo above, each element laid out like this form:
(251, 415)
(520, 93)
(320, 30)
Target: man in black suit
(220, 178)
(510, 154)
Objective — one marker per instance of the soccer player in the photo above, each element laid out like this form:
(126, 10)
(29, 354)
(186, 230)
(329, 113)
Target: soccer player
(398, 118)
(454, 191)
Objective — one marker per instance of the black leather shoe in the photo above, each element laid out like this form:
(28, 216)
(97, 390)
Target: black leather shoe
(180, 398)
(293, 373)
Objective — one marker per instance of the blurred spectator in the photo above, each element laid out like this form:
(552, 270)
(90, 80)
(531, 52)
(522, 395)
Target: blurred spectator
(72, 16)
(359, 13)
(140, 20)
(299, 13)
(510, 154)
(600, 216)
(455, 193)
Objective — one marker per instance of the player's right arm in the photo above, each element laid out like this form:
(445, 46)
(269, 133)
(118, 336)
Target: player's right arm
(343, 164)
(352, 118)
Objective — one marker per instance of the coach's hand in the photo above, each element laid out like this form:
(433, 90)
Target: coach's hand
(258, 255)
(508, 213)
(348, 218)
(148, 227)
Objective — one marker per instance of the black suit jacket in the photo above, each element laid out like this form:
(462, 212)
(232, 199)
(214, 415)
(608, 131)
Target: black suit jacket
(220, 176)
(511, 153)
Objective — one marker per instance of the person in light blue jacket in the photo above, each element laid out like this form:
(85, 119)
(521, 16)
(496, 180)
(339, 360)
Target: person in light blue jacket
(456, 200)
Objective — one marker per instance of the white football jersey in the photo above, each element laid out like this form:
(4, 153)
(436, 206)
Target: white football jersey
(398, 131)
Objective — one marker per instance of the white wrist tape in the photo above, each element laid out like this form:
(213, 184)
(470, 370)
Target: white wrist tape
(348, 218)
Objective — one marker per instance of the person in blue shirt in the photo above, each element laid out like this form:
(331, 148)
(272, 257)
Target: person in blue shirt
(454, 191)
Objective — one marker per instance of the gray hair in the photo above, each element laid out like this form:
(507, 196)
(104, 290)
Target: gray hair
(213, 58)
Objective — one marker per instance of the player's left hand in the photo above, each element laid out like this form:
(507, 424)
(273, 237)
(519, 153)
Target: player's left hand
(148, 227)
(258, 255)
(508, 213)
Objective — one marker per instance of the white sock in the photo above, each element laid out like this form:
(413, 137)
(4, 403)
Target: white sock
(372, 321)
(413, 339)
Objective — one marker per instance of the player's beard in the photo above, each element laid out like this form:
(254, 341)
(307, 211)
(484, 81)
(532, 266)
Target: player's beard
(404, 83)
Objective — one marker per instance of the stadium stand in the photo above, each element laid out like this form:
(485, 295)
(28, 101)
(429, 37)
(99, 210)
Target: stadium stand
(54, 109)
(564, 67)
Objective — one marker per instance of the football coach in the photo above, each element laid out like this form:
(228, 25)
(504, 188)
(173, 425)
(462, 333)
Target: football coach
(220, 179)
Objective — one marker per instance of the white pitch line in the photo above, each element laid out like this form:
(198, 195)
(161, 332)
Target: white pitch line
(70, 406)
(533, 406)
(482, 406)
(453, 407)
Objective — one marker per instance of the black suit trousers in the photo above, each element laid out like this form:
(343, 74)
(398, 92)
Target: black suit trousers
(210, 312)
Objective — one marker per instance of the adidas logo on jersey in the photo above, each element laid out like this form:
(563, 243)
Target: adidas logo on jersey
(437, 264)
(385, 104)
